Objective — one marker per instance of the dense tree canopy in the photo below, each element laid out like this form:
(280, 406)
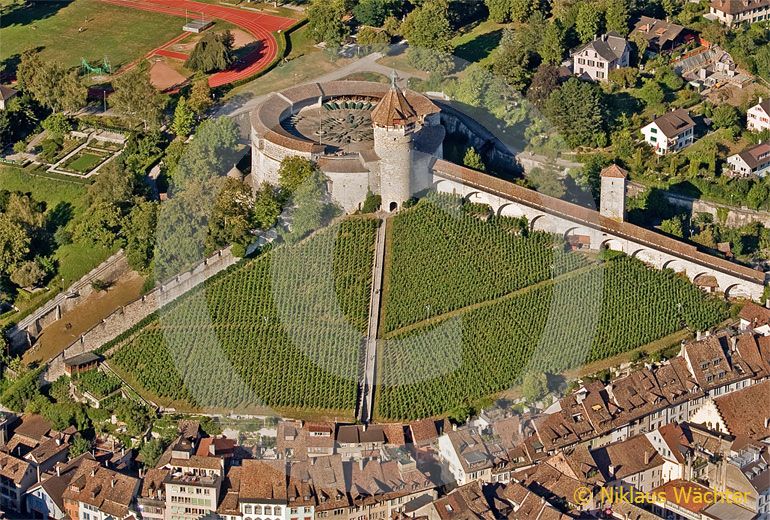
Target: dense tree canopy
(213, 52)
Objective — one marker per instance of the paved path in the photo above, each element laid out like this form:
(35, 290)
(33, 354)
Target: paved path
(366, 64)
(367, 385)
(259, 25)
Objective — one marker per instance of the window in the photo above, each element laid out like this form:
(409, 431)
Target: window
(247, 510)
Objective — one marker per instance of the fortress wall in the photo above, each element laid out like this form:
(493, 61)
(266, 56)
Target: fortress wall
(129, 315)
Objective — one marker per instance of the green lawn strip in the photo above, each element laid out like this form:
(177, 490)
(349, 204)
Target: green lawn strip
(120, 34)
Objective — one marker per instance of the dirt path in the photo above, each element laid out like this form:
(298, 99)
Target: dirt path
(61, 333)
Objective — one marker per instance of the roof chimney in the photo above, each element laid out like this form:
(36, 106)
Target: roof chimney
(646, 457)
(361, 463)
(113, 481)
(611, 470)
(767, 422)
(58, 470)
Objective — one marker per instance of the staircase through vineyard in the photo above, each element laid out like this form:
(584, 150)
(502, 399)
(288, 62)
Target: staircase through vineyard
(366, 379)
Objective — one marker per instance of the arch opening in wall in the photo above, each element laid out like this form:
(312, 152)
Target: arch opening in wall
(540, 223)
(675, 265)
(644, 255)
(612, 244)
(393, 206)
(706, 281)
(509, 209)
(737, 291)
(469, 197)
(577, 238)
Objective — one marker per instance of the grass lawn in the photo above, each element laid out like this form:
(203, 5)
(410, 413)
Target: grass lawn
(305, 62)
(51, 191)
(477, 44)
(120, 34)
(85, 161)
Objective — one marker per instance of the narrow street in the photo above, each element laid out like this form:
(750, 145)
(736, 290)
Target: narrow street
(367, 383)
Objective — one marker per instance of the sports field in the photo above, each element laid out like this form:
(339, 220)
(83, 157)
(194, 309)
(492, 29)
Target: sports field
(119, 33)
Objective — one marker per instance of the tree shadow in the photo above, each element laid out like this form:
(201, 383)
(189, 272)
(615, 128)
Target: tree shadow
(25, 14)
(480, 47)
(247, 55)
(59, 216)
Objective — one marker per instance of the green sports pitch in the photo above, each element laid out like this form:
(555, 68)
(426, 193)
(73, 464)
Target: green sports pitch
(90, 29)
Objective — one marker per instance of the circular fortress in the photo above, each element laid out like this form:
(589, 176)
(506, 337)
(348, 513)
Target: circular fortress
(364, 136)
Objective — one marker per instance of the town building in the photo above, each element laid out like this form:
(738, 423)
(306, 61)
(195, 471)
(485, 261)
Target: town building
(44, 499)
(192, 486)
(661, 35)
(670, 132)
(98, 493)
(595, 60)
(753, 161)
(6, 95)
(735, 12)
(758, 116)
(754, 318)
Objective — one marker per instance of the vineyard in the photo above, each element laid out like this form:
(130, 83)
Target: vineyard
(282, 330)
(582, 317)
(97, 383)
(442, 259)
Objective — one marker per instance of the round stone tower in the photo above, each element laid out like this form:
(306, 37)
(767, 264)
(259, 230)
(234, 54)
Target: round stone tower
(394, 121)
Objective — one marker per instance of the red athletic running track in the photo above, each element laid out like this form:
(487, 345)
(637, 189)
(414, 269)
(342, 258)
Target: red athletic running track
(259, 25)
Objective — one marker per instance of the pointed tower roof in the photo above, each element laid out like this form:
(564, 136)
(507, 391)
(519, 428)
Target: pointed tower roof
(393, 109)
(615, 171)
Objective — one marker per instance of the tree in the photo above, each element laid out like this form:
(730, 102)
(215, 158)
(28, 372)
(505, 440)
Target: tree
(429, 33)
(232, 216)
(373, 12)
(267, 207)
(616, 16)
(520, 10)
(544, 82)
(624, 77)
(651, 93)
(373, 38)
(666, 76)
(136, 98)
(547, 182)
(575, 109)
(28, 274)
(212, 53)
(588, 22)
(725, 116)
(184, 118)
(312, 208)
(210, 155)
(499, 10)
(200, 95)
(673, 226)
(58, 124)
(641, 44)
(534, 386)
(512, 61)
(473, 160)
(325, 22)
(14, 243)
(480, 88)
(79, 446)
(150, 452)
(50, 84)
(293, 172)
(551, 47)
(140, 229)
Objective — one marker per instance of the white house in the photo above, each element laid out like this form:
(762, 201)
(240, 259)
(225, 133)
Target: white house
(758, 116)
(596, 59)
(732, 12)
(751, 161)
(670, 132)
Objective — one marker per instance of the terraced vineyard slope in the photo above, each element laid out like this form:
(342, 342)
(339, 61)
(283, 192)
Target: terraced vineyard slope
(526, 322)
(282, 330)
